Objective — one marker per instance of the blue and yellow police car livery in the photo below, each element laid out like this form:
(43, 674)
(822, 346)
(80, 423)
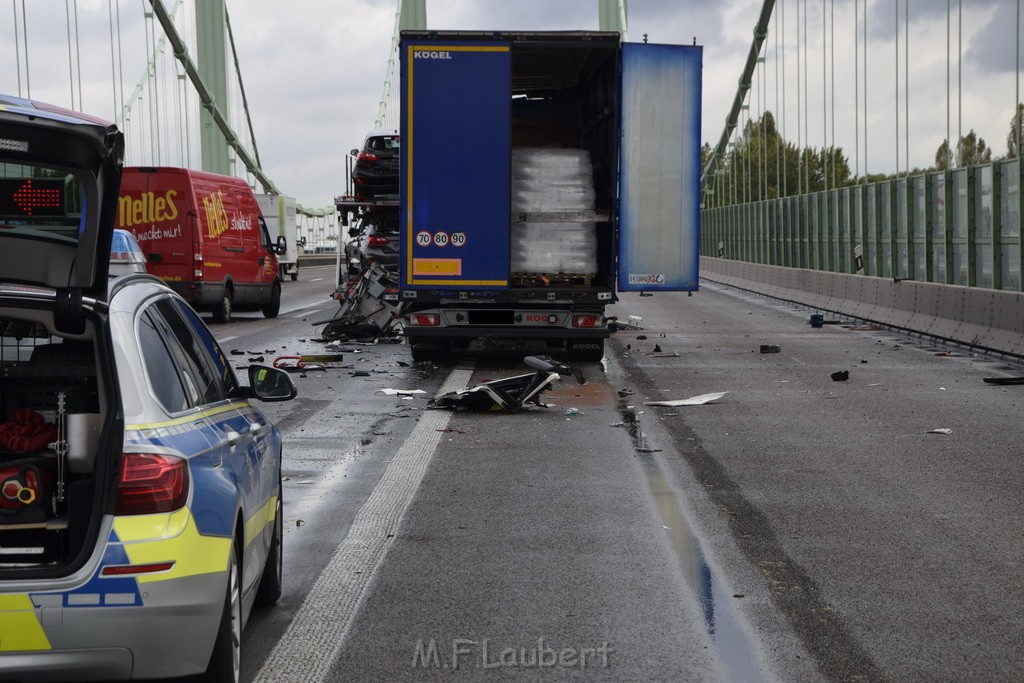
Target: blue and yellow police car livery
(140, 490)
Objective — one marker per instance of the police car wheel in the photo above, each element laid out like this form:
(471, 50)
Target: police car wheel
(273, 572)
(226, 660)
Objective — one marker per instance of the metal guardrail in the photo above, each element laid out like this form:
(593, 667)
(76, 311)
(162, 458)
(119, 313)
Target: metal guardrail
(893, 229)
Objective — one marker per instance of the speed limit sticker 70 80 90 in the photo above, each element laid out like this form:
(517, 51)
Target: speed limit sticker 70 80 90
(440, 238)
(424, 238)
(458, 239)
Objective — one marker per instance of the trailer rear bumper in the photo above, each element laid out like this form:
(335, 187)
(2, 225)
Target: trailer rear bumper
(467, 332)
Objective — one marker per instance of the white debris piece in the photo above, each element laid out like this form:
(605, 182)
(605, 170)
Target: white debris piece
(400, 392)
(694, 401)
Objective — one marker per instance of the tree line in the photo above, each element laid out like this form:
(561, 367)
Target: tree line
(761, 165)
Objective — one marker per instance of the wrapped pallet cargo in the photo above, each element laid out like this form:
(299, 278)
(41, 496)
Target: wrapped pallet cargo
(547, 180)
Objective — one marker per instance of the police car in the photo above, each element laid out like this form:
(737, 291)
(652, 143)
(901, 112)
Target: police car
(140, 490)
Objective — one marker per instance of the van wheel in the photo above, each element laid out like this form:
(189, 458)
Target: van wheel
(585, 349)
(273, 572)
(272, 307)
(226, 660)
(222, 311)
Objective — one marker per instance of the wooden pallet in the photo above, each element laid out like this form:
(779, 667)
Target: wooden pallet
(553, 279)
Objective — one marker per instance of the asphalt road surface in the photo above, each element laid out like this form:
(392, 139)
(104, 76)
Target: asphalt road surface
(797, 528)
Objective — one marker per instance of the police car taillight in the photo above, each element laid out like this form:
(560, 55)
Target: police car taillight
(126, 569)
(366, 156)
(151, 483)
(375, 241)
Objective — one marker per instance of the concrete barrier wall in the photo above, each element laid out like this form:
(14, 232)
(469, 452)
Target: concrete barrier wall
(317, 260)
(987, 318)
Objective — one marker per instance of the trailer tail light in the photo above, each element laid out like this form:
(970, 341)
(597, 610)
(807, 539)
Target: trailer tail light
(151, 483)
(425, 319)
(375, 241)
(586, 320)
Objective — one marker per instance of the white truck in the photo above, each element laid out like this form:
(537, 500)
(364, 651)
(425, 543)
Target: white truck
(279, 213)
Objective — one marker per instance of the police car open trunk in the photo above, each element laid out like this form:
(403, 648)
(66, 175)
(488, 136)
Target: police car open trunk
(59, 177)
(51, 436)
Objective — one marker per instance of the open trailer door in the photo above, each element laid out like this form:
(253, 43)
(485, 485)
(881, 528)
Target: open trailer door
(659, 211)
(455, 169)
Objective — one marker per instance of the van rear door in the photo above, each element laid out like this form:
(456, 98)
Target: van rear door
(660, 167)
(155, 206)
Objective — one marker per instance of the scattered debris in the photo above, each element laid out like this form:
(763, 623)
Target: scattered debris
(302, 362)
(657, 348)
(817, 320)
(512, 393)
(770, 348)
(944, 354)
(450, 430)
(694, 401)
(300, 522)
(257, 359)
(237, 352)
(361, 373)
(400, 392)
(573, 411)
(841, 376)
(941, 430)
(641, 336)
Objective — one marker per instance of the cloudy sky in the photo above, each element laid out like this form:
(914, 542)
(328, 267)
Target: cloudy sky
(314, 70)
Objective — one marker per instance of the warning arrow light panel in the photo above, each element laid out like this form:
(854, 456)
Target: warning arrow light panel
(33, 197)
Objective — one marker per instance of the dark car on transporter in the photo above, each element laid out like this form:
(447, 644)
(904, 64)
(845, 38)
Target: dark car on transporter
(376, 169)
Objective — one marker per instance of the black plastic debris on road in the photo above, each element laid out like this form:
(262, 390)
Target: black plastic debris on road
(841, 376)
(770, 348)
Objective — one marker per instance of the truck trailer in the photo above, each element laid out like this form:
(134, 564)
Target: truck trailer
(541, 174)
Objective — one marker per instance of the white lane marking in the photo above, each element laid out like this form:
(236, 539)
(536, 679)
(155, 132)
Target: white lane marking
(302, 308)
(227, 339)
(313, 639)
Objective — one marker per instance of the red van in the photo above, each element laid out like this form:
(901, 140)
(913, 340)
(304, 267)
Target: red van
(203, 234)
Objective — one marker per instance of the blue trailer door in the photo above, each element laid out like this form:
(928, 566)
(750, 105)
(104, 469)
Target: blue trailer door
(659, 185)
(455, 165)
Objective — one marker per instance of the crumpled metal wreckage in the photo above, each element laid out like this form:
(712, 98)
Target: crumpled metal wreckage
(511, 394)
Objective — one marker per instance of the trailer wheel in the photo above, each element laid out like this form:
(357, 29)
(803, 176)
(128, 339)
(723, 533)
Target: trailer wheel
(428, 349)
(273, 307)
(294, 274)
(585, 349)
(222, 311)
